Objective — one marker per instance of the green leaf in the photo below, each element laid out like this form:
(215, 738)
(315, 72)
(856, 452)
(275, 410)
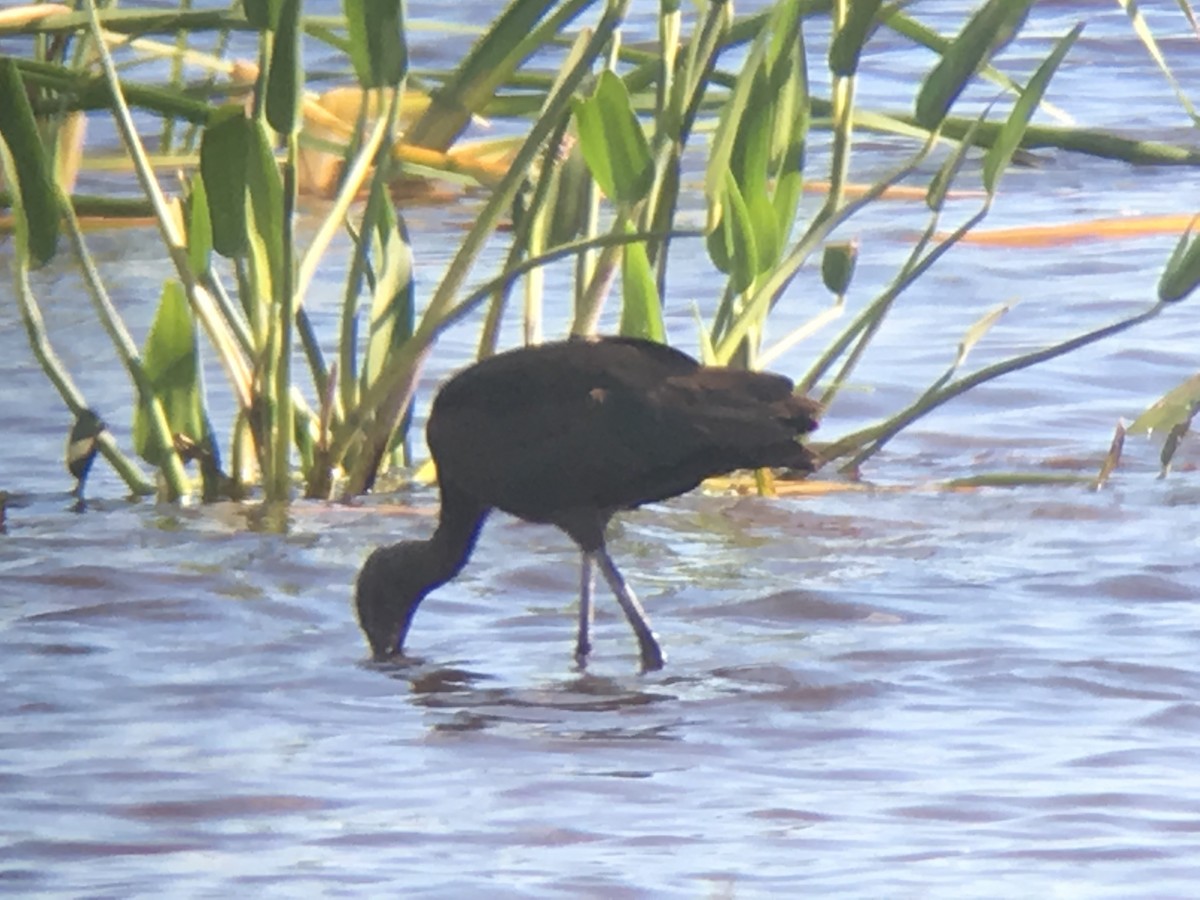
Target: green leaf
(750, 164)
(984, 34)
(767, 244)
(613, 142)
(258, 13)
(171, 362)
(377, 41)
(1175, 407)
(392, 308)
(847, 45)
(285, 77)
(1182, 273)
(738, 236)
(511, 38)
(590, 126)
(977, 330)
(1013, 131)
(759, 137)
(35, 180)
(224, 156)
(641, 308)
(1138, 22)
(199, 228)
(1111, 458)
(837, 266)
(719, 240)
(266, 210)
(725, 138)
(943, 179)
(789, 79)
(567, 205)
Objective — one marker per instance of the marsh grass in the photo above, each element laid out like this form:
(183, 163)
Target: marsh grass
(593, 175)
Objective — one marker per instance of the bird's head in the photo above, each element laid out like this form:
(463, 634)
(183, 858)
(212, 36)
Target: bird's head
(390, 586)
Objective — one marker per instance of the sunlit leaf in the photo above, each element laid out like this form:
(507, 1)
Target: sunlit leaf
(787, 72)
(789, 79)
(1013, 131)
(641, 309)
(391, 322)
(35, 181)
(837, 265)
(613, 142)
(1171, 444)
(731, 244)
(724, 139)
(1138, 22)
(285, 79)
(224, 154)
(1182, 272)
(171, 362)
(750, 164)
(265, 192)
(258, 13)
(1111, 458)
(1176, 406)
(567, 207)
(378, 49)
(943, 179)
(708, 353)
(509, 40)
(977, 330)
(985, 33)
(846, 46)
(199, 228)
(719, 243)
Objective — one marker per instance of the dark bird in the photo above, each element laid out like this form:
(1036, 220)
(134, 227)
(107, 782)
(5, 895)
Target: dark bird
(568, 434)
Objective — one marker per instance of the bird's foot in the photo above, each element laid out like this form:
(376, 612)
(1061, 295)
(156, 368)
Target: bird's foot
(582, 650)
(652, 656)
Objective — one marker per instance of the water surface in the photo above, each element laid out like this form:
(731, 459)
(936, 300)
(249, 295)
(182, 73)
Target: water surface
(900, 692)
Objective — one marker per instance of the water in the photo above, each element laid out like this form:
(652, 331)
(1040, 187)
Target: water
(900, 692)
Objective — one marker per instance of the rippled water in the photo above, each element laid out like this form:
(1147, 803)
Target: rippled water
(887, 693)
(875, 694)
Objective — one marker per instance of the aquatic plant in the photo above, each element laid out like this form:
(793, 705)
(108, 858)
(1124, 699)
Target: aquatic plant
(595, 175)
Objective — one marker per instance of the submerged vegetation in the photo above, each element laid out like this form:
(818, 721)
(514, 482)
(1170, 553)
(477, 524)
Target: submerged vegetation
(594, 176)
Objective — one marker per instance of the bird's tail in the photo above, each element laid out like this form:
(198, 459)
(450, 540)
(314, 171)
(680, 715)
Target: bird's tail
(799, 412)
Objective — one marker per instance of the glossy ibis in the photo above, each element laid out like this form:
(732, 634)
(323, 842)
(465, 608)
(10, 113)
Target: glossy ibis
(568, 434)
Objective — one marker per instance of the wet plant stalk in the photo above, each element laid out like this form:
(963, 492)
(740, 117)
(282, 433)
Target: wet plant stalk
(202, 304)
(52, 365)
(171, 466)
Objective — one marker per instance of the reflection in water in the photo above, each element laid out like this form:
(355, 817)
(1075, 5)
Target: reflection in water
(462, 701)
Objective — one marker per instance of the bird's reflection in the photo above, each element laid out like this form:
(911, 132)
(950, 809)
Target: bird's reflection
(580, 705)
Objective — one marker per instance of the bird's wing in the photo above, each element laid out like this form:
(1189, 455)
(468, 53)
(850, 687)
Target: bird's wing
(606, 430)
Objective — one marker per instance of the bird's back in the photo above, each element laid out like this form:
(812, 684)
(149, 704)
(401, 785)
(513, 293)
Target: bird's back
(600, 425)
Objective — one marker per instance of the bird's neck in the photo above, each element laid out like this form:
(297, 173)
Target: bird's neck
(459, 522)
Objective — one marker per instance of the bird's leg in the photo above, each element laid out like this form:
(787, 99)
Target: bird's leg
(652, 655)
(587, 584)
